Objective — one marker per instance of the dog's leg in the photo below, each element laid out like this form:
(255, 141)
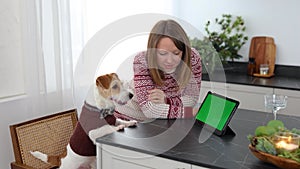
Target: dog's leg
(76, 161)
(104, 130)
(84, 167)
(93, 165)
(126, 123)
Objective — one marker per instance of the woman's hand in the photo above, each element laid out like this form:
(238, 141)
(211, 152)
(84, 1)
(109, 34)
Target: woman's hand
(156, 96)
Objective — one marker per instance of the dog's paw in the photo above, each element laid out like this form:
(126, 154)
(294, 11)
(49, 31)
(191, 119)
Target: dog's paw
(120, 127)
(132, 123)
(39, 155)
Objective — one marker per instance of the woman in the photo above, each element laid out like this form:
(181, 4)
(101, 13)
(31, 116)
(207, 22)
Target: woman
(167, 76)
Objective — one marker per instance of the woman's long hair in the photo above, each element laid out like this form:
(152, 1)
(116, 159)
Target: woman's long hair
(172, 30)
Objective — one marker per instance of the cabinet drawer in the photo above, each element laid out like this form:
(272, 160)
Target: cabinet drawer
(116, 158)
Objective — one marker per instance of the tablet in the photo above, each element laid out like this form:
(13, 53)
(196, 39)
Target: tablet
(216, 112)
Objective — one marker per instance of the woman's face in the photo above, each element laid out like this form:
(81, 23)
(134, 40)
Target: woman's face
(168, 55)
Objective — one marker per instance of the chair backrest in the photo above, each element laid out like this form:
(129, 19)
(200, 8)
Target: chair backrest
(49, 134)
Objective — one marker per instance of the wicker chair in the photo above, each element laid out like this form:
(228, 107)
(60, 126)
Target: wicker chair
(49, 134)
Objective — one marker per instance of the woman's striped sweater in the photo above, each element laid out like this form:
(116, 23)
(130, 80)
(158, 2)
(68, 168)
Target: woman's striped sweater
(140, 109)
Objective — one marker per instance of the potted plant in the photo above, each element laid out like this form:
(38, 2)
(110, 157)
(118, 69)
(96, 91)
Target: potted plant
(209, 55)
(229, 38)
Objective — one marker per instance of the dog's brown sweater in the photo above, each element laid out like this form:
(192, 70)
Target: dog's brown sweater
(89, 120)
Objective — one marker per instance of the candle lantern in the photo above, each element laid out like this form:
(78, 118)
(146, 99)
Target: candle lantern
(287, 141)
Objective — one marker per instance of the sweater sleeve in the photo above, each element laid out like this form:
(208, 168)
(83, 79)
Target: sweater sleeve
(143, 83)
(190, 94)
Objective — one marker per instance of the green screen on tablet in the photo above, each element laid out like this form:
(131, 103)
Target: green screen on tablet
(216, 110)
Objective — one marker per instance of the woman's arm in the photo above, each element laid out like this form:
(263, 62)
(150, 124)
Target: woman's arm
(143, 83)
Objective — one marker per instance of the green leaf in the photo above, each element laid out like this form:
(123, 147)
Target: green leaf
(230, 36)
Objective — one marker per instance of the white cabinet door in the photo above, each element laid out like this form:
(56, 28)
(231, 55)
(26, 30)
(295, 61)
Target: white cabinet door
(250, 97)
(206, 86)
(119, 158)
(293, 102)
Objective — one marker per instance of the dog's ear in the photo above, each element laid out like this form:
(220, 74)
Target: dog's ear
(114, 75)
(104, 81)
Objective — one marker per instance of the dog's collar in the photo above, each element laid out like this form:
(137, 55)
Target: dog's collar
(103, 112)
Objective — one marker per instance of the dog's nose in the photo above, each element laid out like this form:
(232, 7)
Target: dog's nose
(130, 95)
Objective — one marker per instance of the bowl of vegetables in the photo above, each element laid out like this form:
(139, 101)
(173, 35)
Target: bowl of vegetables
(275, 144)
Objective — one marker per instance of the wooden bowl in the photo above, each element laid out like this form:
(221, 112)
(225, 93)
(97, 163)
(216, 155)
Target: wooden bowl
(275, 160)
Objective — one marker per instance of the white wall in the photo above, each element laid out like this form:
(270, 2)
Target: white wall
(276, 18)
(11, 49)
(11, 61)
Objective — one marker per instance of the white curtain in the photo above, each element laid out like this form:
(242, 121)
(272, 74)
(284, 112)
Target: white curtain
(48, 57)
(45, 64)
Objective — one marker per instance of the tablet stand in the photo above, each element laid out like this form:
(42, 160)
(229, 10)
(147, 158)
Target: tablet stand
(228, 131)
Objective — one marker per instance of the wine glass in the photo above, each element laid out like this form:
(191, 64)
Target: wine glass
(275, 103)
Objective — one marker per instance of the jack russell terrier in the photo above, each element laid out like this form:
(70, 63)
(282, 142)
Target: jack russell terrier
(96, 120)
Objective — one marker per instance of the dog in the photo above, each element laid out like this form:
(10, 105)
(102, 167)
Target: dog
(96, 120)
